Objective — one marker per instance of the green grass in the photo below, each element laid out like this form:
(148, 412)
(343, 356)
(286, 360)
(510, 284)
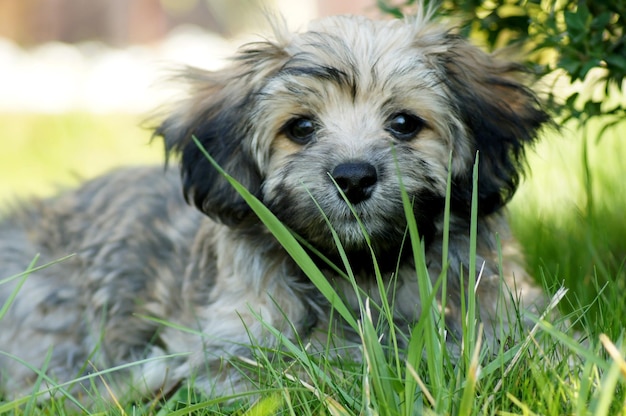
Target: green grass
(42, 153)
(567, 237)
(558, 370)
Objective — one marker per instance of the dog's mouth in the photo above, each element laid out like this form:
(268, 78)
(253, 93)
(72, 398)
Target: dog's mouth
(362, 261)
(380, 237)
(362, 234)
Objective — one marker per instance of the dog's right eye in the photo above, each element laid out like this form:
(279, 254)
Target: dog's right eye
(405, 126)
(300, 130)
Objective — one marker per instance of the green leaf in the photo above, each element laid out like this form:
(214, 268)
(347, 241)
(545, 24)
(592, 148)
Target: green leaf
(617, 61)
(593, 108)
(571, 65)
(577, 20)
(600, 21)
(588, 66)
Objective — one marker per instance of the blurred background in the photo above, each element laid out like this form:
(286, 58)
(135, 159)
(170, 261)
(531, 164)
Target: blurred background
(79, 79)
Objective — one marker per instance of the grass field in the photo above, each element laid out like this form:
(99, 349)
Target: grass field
(42, 153)
(571, 237)
(576, 368)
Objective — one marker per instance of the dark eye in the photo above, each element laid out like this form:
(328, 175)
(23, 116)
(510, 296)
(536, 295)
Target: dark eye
(300, 130)
(404, 126)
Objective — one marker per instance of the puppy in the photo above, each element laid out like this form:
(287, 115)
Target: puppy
(323, 127)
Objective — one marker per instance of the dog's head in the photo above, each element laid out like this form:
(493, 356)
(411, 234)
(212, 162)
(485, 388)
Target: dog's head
(355, 105)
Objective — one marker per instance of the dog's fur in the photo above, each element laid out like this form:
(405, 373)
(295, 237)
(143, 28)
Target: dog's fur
(351, 104)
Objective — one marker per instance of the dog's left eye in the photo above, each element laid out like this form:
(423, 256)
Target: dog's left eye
(300, 130)
(404, 126)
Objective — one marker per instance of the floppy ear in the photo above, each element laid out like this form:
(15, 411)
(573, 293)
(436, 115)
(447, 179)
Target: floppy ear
(219, 115)
(501, 114)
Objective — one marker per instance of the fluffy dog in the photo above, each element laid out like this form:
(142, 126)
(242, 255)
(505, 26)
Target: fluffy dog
(325, 125)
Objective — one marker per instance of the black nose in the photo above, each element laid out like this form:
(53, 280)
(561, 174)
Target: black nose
(356, 180)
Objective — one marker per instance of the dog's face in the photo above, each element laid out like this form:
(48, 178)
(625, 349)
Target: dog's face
(350, 110)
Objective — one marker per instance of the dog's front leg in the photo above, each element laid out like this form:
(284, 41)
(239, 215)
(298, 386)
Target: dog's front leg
(252, 287)
(233, 325)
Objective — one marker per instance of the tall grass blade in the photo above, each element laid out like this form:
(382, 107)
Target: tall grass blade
(301, 357)
(22, 279)
(446, 238)
(287, 241)
(469, 330)
(384, 397)
(473, 373)
(430, 316)
(384, 289)
(606, 392)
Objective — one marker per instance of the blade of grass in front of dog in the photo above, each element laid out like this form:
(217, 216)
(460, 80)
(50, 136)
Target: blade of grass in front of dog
(413, 361)
(416, 341)
(377, 366)
(22, 279)
(287, 241)
(269, 404)
(446, 237)
(383, 288)
(61, 387)
(22, 276)
(32, 402)
(342, 252)
(587, 383)
(429, 313)
(469, 327)
(377, 371)
(40, 375)
(571, 343)
(610, 379)
(32, 269)
(471, 379)
(316, 373)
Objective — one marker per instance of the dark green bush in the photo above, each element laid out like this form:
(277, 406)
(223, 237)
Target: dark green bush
(575, 37)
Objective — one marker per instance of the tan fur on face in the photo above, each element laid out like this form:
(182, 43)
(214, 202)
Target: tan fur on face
(210, 269)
